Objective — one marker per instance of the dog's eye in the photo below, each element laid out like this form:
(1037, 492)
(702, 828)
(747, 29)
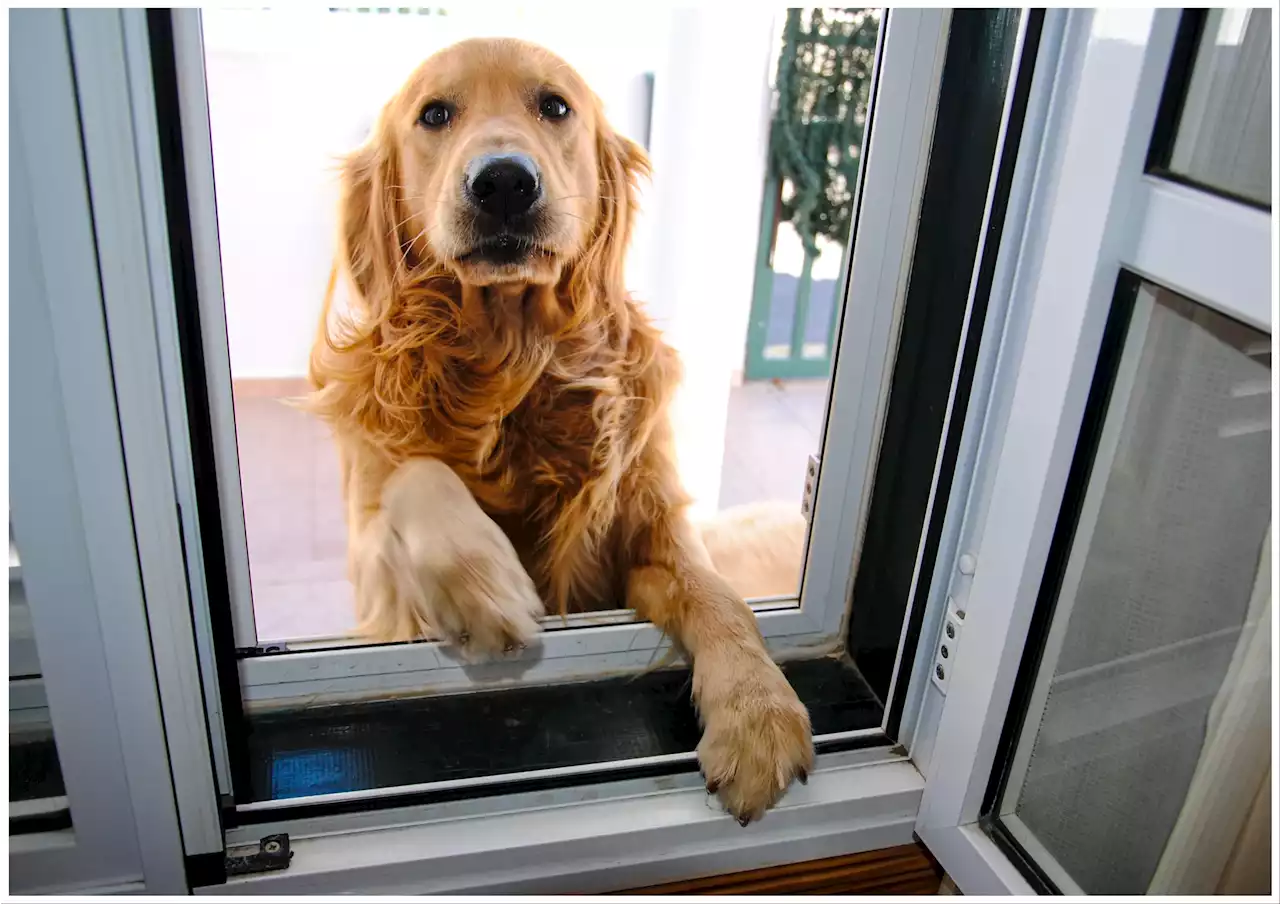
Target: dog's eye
(435, 115)
(553, 106)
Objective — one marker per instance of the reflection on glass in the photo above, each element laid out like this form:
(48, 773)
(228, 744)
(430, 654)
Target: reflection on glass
(1224, 133)
(1148, 735)
(746, 284)
(37, 797)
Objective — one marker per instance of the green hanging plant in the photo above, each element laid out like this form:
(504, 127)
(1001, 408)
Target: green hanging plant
(823, 87)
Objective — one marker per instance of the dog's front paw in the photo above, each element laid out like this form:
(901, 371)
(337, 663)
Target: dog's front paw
(434, 564)
(756, 737)
(485, 602)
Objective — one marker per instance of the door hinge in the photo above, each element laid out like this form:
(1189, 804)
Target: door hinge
(810, 486)
(270, 854)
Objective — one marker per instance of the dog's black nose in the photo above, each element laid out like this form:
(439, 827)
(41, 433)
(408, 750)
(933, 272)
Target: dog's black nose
(503, 186)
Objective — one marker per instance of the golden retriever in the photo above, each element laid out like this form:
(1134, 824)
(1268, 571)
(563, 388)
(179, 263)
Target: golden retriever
(501, 404)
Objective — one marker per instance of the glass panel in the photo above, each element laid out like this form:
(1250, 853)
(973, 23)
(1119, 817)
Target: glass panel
(1148, 735)
(786, 272)
(37, 796)
(1224, 134)
(828, 278)
(290, 93)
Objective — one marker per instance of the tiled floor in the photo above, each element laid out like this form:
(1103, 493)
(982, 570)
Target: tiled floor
(773, 429)
(293, 505)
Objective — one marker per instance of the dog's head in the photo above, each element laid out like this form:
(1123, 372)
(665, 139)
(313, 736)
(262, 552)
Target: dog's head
(494, 161)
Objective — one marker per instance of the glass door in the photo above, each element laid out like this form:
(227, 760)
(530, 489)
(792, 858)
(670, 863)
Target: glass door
(1148, 703)
(1107, 721)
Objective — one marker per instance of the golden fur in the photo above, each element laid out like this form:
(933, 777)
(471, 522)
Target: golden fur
(758, 548)
(503, 428)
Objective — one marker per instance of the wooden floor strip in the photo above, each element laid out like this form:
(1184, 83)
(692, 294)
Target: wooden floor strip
(905, 870)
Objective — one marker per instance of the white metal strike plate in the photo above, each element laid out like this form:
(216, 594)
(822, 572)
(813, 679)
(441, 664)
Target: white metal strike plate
(810, 487)
(944, 654)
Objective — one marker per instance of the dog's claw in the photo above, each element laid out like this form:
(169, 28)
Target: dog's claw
(803, 776)
(713, 786)
(744, 821)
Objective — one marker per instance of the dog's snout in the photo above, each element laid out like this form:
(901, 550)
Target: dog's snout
(503, 186)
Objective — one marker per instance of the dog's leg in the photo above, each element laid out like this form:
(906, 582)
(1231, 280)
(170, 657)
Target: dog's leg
(426, 560)
(756, 734)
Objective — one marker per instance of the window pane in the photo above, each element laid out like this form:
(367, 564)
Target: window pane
(693, 269)
(1151, 707)
(290, 93)
(37, 796)
(1224, 134)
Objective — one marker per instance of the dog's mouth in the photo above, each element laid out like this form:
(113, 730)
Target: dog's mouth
(504, 249)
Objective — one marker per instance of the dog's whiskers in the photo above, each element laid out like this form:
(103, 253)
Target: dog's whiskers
(576, 197)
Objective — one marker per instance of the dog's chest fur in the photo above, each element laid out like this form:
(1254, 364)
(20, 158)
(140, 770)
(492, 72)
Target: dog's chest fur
(547, 440)
(539, 458)
(543, 453)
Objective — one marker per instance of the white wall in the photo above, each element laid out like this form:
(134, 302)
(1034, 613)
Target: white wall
(290, 92)
(711, 124)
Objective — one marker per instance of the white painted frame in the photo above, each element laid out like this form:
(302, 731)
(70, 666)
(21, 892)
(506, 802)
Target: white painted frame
(1182, 227)
(197, 153)
(70, 507)
(856, 801)
(617, 836)
(132, 247)
(1092, 213)
(962, 506)
(909, 72)
(150, 186)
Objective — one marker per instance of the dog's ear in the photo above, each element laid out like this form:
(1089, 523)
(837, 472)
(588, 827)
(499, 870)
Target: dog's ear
(368, 221)
(621, 163)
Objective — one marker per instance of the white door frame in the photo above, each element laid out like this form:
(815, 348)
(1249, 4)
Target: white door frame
(908, 76)
(131, 248)
(1093, 213)
(70, 507)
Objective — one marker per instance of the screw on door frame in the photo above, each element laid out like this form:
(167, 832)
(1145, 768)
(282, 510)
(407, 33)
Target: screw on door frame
(271, 853)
